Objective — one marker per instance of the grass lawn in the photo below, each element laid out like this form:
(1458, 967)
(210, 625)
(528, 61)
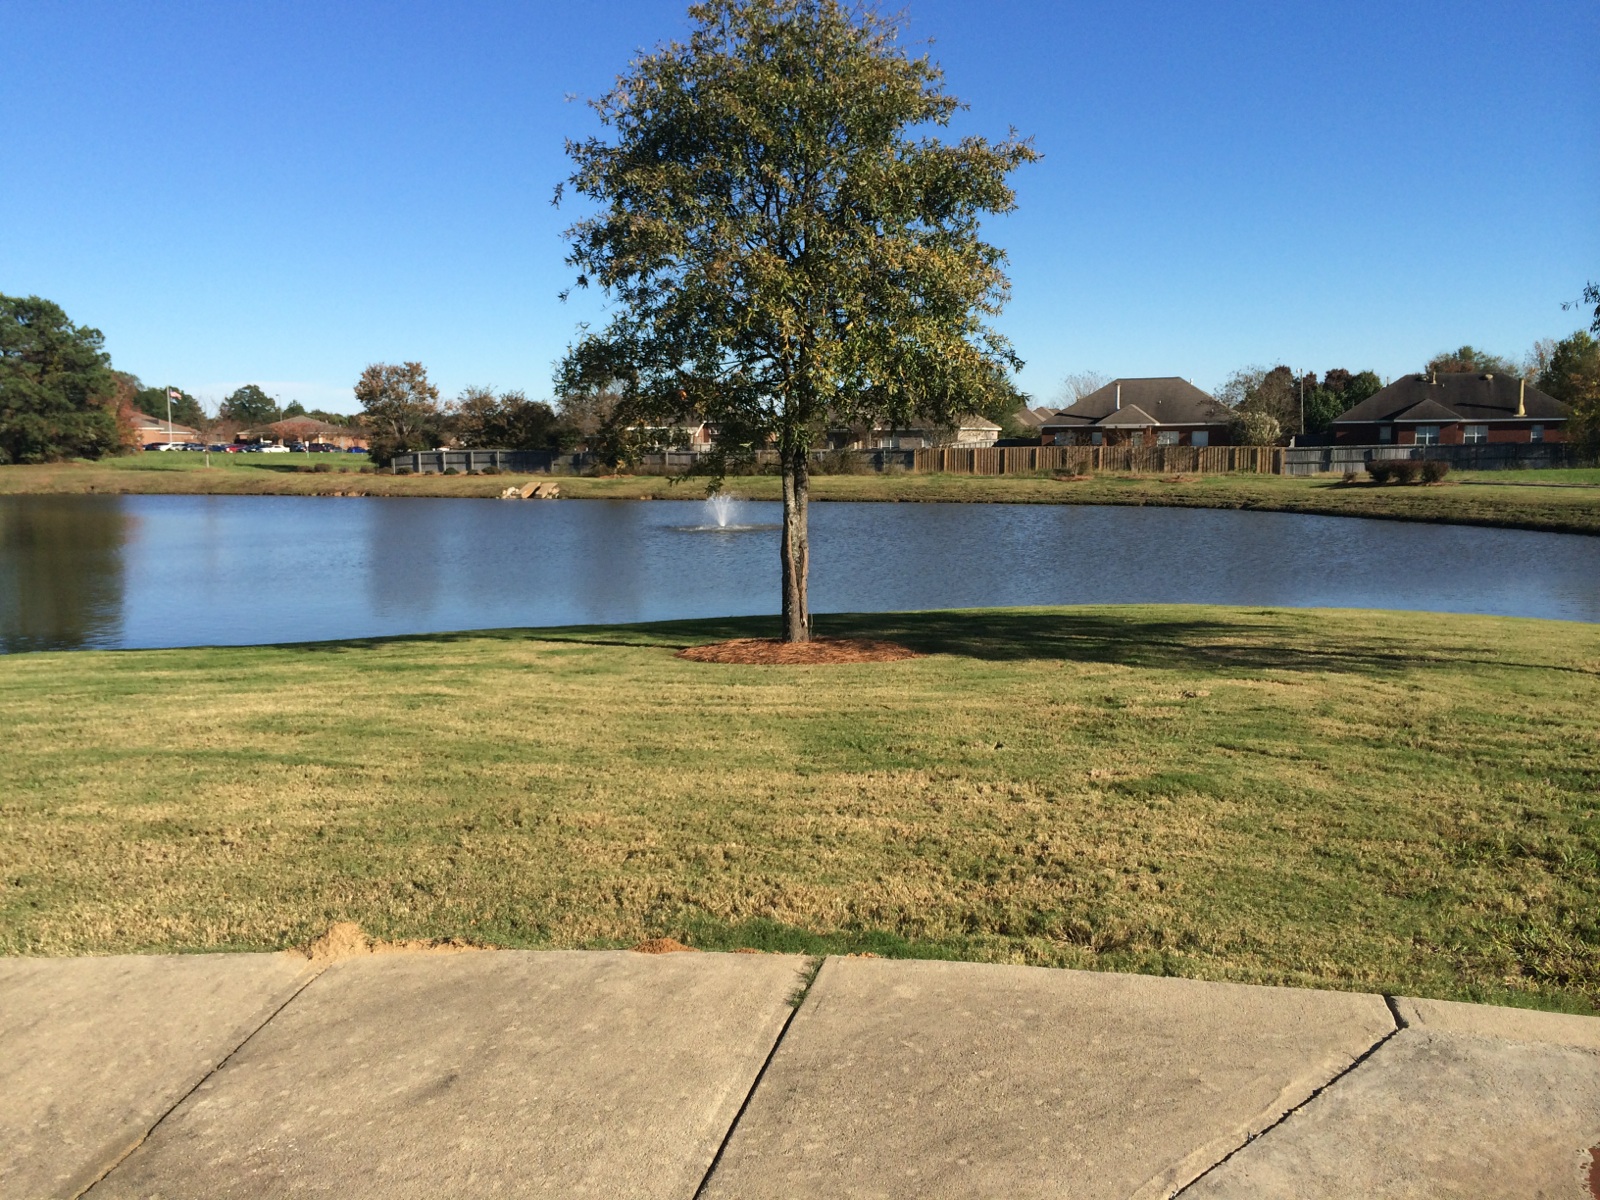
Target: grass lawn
(1378, 801)
(1516, 499)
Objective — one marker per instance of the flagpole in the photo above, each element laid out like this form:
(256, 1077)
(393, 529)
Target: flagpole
(169, 414)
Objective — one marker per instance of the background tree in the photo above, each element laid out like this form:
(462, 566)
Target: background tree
(152, 401)
(479, 419)
(400, 410)
(58, 396)
(1572, 375)
(1299, 405)
(1469, 361)
(250, 407)
(788, 246)
(1591, 295)
(1255, 428)
(1079, 384)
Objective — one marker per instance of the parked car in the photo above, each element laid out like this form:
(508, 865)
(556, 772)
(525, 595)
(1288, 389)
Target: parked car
(296, 447)
(356, 450)
(219, 448)
(163, 446)
(322, 448)
(192, 446)
(272, 449)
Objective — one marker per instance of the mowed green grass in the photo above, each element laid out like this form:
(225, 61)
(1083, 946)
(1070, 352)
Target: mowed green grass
(1375, 801)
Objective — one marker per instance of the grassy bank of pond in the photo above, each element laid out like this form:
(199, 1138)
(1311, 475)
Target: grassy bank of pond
(1390, 802)
(1566, 501)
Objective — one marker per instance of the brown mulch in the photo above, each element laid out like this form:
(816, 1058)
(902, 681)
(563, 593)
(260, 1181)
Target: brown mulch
(661, 945)
(345, 939)
(771, 651)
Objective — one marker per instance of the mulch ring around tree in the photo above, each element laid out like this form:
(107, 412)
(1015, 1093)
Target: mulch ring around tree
(772, 652)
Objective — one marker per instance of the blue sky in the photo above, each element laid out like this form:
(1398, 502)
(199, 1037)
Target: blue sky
(282, 194)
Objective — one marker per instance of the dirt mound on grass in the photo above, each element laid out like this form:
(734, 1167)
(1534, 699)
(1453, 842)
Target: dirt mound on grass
(770, 651)
(661, 946)
(345, 939)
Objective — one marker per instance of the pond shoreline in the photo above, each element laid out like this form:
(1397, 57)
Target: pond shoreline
(1555, 506)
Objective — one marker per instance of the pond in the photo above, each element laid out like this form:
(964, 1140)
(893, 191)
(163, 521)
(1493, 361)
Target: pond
(149, 571)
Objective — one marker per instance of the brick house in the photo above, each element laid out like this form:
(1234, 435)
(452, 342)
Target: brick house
(1453, 410)
(1165, 411)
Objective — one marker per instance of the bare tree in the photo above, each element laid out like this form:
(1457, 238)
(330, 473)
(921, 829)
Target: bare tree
(1079, 384)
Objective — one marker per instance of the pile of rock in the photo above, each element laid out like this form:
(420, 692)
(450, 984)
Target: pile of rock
(533, 491)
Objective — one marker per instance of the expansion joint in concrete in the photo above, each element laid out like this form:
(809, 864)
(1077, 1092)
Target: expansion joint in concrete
(199, 1083)
(808, 976)
(1399, 1023)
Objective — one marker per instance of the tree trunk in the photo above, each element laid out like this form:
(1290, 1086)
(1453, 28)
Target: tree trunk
(794, 549)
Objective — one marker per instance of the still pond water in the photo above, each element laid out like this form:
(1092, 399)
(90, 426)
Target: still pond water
(147, 571)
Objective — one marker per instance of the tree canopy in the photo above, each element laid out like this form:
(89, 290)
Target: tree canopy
(480, 419)
(400, 410)
(1469, 361)
(249, 405)
(57, 391)
(787, 244)
(1298, 405)
(152, 401)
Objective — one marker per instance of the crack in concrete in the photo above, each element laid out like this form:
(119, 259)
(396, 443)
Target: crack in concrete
(1399, 1023)
(808, 976)
(173, 1107)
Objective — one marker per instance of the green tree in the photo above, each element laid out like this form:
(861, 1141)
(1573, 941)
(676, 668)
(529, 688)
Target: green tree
(400, 410)
(57, 390)
(186, 410)
(789, 247)
(1572, 376)
(249, 406)
(1468, 361)
(480, 419)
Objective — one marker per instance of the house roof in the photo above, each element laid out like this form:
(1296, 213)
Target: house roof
(1130, 416)
(1163, 401)
(1428, 410)
(1456, 397)
(1029, 417)
(145, 423)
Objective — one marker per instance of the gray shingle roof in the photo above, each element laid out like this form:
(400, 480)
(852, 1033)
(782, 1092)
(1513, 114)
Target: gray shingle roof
(1163, 401)
(1456, 397)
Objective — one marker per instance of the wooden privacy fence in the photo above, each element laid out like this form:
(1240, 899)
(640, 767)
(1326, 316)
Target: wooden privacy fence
(1085, 460)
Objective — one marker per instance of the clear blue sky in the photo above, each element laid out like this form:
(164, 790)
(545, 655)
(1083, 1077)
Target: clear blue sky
(281, 193)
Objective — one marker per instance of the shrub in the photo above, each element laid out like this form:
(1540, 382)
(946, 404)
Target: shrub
(450, 471)
(368, 469)
(1351, 476)
(490, 471)
(1433, 470)
(322, 468)
(1406, 471)
(1381, 469)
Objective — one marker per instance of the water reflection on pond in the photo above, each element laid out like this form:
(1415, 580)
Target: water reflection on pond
(80, 571)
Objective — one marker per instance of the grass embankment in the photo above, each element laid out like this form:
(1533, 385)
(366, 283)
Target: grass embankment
(1394, 802)
(1517, 500)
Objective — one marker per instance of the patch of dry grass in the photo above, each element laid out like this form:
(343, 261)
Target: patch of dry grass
(1400, 802)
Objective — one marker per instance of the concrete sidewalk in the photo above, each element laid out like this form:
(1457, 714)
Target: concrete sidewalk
(617, 1074)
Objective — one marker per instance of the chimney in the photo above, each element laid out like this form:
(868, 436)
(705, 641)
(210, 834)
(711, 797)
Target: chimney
(1119, 397)
(1522, 399)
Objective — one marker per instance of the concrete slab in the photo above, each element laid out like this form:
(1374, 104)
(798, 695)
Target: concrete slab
(1512, 1024)
(94, 1050)
(1433, 1114)
(499, 1073)
(925, 1079)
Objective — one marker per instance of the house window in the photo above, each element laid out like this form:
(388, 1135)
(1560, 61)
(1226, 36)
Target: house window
(1136, 438)
(1096, 437)
(1167, 437)
(1386, 433)
(1200, 437)
(1473, 434)
(1427, 435)
(1536, 433)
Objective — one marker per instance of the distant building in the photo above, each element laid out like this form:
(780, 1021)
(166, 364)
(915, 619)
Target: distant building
(307, 430)
(968, 432)
(1141, 412)
(1452, 410)
(147, 429)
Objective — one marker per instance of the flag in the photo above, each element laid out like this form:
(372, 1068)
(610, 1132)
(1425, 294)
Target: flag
(174, 394)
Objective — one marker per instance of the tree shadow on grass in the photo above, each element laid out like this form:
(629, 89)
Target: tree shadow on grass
(1155, 637)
